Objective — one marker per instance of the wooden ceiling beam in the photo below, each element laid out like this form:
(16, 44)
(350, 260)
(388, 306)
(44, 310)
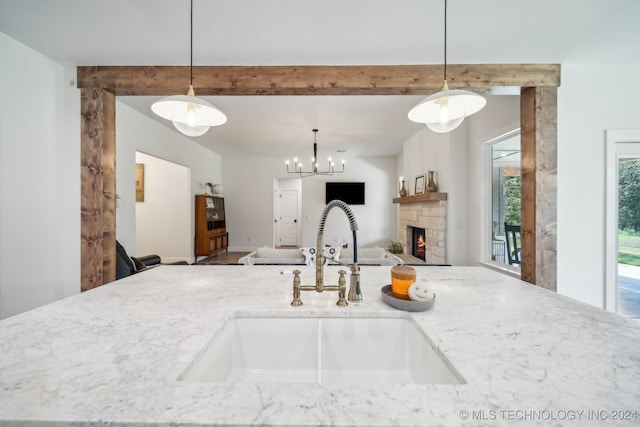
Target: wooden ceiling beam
(314, 80)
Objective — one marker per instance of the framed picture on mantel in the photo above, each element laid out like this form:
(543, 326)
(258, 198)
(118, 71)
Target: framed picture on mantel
(419, 188)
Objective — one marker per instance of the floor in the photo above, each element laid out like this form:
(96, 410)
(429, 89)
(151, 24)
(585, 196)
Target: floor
(409, 259)
(629, 291)
(225, 258)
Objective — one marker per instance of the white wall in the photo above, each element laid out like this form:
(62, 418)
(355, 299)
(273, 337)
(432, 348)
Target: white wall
(591, 100)
(40, 167)
(136, 132)
(427, 151)
(163, 218)
(458, 214)
(248, 191)
(446, 154)
(39, 180)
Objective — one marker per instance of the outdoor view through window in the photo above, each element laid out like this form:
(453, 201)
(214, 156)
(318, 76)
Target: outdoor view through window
(505, 201)
(629, 236)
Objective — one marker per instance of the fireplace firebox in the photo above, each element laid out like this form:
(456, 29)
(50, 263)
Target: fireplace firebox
(418, 243)
(429, 214)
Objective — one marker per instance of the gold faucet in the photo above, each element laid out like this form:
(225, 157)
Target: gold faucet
(341, 288)
(355, 295)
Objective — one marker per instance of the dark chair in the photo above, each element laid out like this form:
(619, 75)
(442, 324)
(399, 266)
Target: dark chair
(126, 265)
(512, 236)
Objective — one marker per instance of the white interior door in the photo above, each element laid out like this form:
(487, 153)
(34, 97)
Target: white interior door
(288, 210)
(288, 218)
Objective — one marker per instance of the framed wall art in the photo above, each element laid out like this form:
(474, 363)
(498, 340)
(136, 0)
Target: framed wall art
(139, 182)
(419, 187)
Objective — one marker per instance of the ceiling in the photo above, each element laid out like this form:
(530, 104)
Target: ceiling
(328, 32)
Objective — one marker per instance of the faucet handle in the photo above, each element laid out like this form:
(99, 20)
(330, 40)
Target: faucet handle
(296, 289)
(342, 289)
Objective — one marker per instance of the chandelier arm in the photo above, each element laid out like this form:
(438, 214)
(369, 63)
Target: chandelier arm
(297, 169)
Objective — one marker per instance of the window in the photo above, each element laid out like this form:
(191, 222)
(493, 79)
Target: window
(622, 254)
(505, 200)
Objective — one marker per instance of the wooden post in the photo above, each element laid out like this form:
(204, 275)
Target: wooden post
(538, 123)
(97, 207)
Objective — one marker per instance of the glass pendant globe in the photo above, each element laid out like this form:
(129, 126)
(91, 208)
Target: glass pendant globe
(445, 126)
(189, 130)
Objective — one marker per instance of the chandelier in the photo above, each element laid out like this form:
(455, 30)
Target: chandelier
(444, 111)
(298, 168)
(192, 116)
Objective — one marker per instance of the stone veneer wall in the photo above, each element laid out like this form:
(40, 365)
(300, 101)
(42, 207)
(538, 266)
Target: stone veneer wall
(432, 216)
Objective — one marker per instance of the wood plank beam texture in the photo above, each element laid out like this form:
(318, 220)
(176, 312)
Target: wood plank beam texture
(97, 223)
(109, 186)
(314, 80)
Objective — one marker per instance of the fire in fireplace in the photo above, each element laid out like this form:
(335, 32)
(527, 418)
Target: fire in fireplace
(418, 243)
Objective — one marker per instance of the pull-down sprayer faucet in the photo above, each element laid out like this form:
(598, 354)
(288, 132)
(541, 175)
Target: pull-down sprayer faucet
(355, 294)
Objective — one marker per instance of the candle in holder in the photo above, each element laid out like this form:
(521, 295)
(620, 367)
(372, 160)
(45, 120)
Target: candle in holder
(401, 278)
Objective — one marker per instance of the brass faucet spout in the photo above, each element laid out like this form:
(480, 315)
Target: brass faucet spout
(355, 294)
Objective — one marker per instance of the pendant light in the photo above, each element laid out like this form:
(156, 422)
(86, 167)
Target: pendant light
(192, 116)
(445, 110)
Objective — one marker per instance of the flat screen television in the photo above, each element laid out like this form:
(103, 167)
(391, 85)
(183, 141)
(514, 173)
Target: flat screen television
(352, 193)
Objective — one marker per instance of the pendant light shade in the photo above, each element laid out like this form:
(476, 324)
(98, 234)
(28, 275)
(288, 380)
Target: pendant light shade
(445, 110)
(192, 116)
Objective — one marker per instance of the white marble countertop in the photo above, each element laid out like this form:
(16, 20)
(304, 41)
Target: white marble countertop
(111, 356)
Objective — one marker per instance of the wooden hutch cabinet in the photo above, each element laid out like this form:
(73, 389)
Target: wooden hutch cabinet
(211, 233)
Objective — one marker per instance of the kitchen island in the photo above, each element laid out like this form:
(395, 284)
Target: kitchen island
(113, 355)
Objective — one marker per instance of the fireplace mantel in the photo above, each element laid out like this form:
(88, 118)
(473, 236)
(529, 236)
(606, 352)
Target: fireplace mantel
(418, 198)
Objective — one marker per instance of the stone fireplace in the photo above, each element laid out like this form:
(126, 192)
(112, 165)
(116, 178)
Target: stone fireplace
(426, 212)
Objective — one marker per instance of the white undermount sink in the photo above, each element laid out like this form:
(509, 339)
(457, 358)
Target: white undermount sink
(321, 350)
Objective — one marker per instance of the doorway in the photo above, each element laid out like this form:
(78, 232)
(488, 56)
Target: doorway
(502, 181)
(163, 218)
(287, 203)
(622, 294)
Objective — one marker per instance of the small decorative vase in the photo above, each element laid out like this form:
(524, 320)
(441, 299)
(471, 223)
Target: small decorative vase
(403, 190)
(217, 189)
(431, 185)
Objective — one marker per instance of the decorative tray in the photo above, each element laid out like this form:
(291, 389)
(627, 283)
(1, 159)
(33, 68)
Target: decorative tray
(403, 304)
